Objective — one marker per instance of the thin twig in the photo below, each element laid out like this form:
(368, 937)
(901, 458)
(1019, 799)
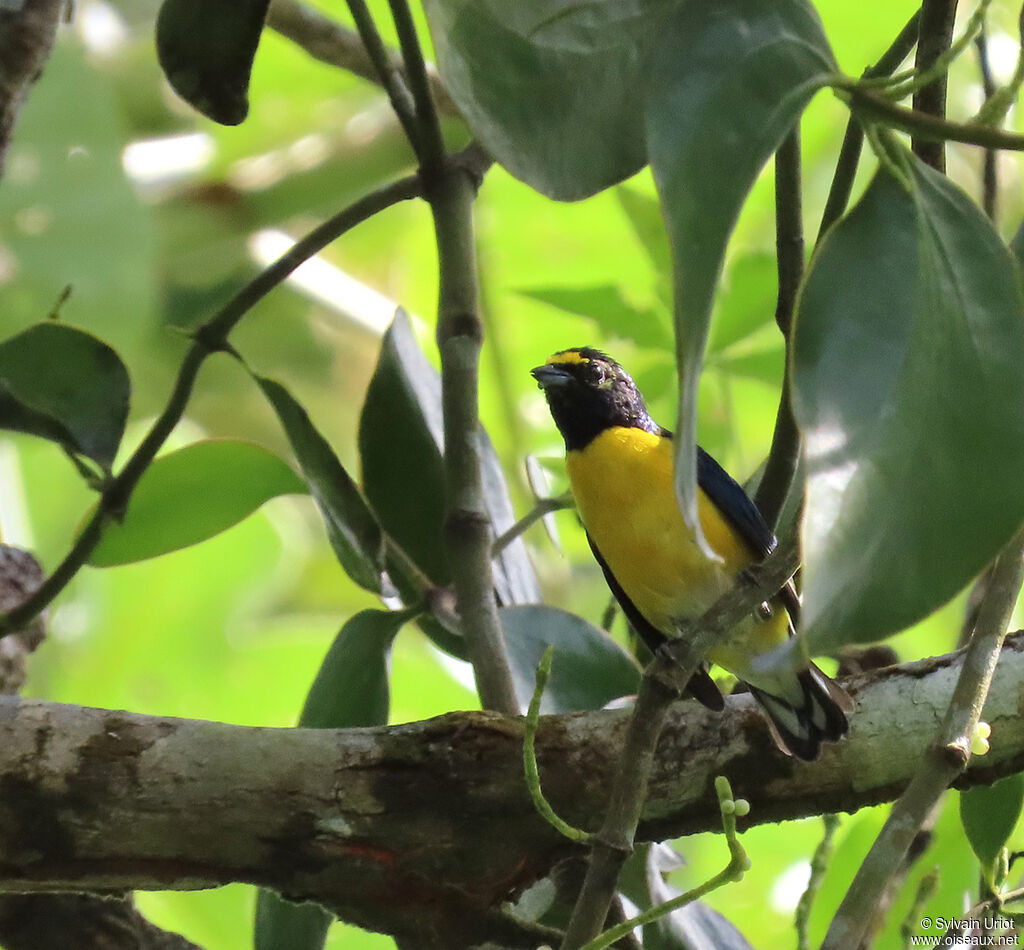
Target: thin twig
(819, 864)
(738, 865)
(431, 141)
(388, 73)
(208, 338)
(662, 682)
(924, 126)
(849, 153)
(936, 35)
(989, 176)
(784, 455)
(544, 507)
(530, 767)
(336, 45)
(943, 761)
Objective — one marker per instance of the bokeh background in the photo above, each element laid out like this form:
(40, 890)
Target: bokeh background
(153, 216)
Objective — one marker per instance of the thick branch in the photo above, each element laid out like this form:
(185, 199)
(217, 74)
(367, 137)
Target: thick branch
(27, 32)
(402, 828)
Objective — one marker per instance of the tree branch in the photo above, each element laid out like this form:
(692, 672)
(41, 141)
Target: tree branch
(400, 828)
(945, 757)
(27, 32)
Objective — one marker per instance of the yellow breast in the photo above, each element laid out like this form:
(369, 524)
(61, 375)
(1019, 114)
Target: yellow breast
(623, 484)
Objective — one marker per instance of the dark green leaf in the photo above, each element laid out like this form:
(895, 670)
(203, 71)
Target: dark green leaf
(614, 315)
(400, 444)
(206, 50)
(351, 686)
(67, 386)
(989, 814)
(350, 690)
(282, 925)
(549, 88)
(351, 527)
(192, 494)
(726, 83)
(590, 668)
(906, 379)
(400, 439)
(694, 926)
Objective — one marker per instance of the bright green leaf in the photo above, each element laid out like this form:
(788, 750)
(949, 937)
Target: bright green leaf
(190, 495)
(282, 925)
(207, 49)
(67, 386)
(590, 668)
(726, 83)
(350, 690)
(613, 314)
(907, 352)
(989, 814)
(746, 303)
(351, 526)
(549, 88)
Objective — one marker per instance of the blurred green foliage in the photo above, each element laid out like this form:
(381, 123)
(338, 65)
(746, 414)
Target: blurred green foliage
(236, 628)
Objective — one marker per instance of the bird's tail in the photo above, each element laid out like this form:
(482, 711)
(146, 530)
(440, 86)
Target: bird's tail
(815, 712)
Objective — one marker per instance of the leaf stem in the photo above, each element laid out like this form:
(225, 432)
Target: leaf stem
(530, 756)
(208, 338)
(819, 864)
(943, 761)
(738, 865)
(849, 153)
(544, 506)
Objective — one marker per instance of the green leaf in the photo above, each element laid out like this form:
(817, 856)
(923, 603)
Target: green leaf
(64, 186)
(644, 215)
(694, 926)
(549, 88)
(989, 814)
(400, 439)
(747, 303)
(907, 352)
(351, 686)
(351, 526)
(401, 436)
(726, 83)
(207, 49)
(350, 690)
(190, 495)
(67, 386)
(614, 315)
(282, 925)
(590, 669)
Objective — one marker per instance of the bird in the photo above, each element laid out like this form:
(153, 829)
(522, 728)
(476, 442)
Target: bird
(620, 467)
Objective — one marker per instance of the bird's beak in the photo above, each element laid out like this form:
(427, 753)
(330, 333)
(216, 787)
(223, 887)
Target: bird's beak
(550, 377)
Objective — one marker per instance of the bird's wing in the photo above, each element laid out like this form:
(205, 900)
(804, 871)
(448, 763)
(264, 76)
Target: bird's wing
(701, 686)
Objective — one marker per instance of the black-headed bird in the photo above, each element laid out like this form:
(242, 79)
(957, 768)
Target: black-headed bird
(620, 466)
